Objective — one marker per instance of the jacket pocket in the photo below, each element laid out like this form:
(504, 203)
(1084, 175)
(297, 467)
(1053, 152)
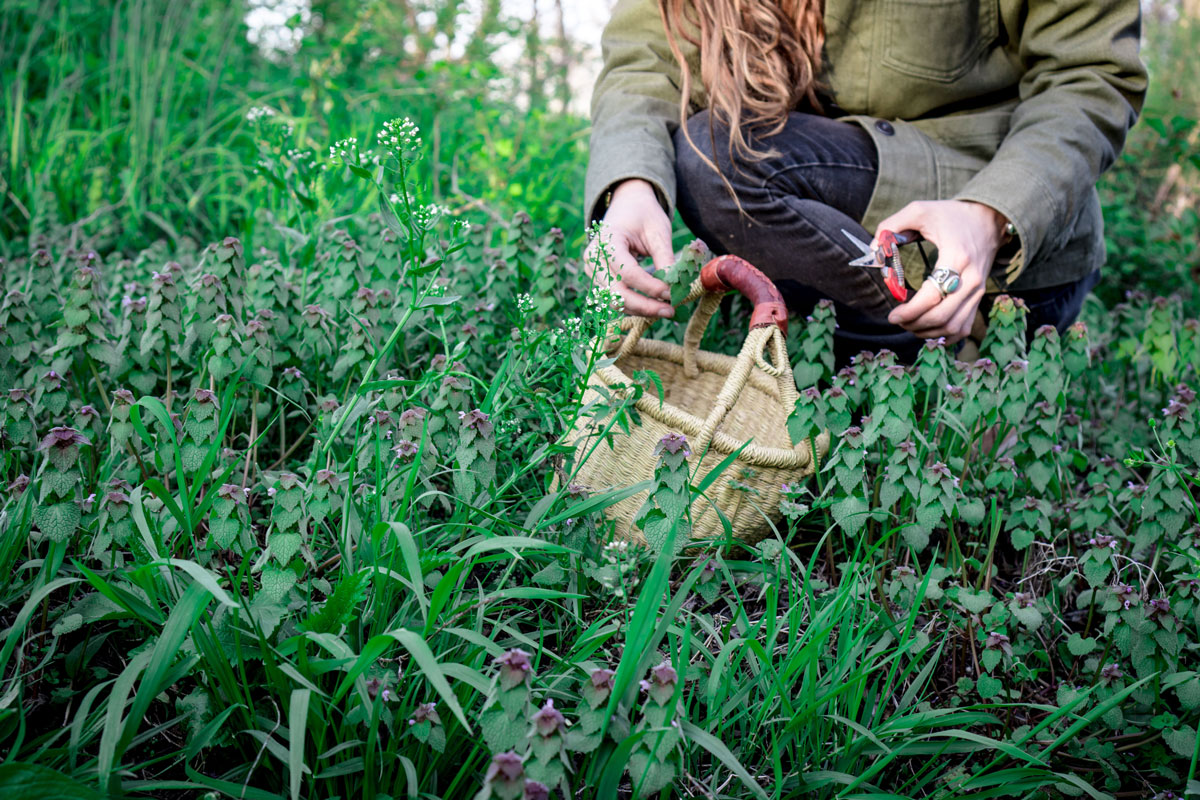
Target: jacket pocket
(938, 40)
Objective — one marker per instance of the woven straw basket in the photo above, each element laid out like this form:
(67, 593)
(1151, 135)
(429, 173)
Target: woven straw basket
(716, 401)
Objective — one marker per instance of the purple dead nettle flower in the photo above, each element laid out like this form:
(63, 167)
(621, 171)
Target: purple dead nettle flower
(903, 572)
(454, 382)
(1031, 503)
(381, 417)
(1158, 607)
(936, 344)
(1070, 419)
(848, 374)
(895, 370)
(576, 491)
(984, 366)
(536, 790)
(18, 485)
(506, 770)
(1125, 593)
(63, 439)
(124, 396)
(116, 498)
(1137, 489)
(366, 294)
(907, 447)
(708, 572)
(328, 478)
(811, 394)
(549, 721)
(52, 380)
(470, 329)
(515, 668)
(661, 684)
(208, 281)
(255, 327)
(231, 491)
(425, 711)
(1185, 393)
(1006, 462)
(314, 315)
(88, 413)
(1110, 673)
(940, 472)
(1175, 409)
(161, 279)
(1103, 540)
(88, 503)
(482, 307)
(329, 405)
(998, 641)
(1108, 461)
(673, 443)
(1046, 331)
(204, 396)
(289, 480)
(1025, 599)
(20, 396)
(478, 421)
(1018, 366)
(438, 362)
(405, 448)
(412, 416)
(853, 436)
(292, 373)
(1044, 407)
(955, 391)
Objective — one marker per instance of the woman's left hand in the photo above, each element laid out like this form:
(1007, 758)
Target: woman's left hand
(967, 236)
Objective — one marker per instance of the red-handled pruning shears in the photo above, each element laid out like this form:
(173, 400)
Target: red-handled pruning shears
(886, 257)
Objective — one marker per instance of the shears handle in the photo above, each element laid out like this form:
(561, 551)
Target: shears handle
(893, 272)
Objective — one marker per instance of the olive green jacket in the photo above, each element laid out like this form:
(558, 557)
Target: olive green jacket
(1019, 104)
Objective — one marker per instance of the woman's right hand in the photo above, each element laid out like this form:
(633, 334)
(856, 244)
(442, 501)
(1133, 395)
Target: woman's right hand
(634, 226)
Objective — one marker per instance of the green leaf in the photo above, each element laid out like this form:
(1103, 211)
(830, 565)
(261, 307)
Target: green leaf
(297, 727)
(20, 781)
(58, 521)
(988, 687)
(1182, 740)
(850, 513)
(1080, 646)
(276, 581)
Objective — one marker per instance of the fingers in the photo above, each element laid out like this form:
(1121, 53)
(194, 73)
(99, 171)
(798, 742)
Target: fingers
(913, 216)
(625, 276)
(921, 303)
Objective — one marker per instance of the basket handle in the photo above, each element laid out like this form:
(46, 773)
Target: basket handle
(733, 272)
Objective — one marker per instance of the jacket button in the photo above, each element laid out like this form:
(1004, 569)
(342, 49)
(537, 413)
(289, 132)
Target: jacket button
(884, 127)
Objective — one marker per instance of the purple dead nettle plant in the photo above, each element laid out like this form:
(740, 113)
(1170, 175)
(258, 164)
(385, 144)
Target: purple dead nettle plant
(505, 777)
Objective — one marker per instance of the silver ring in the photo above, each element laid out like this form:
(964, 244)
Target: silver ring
(946, 281)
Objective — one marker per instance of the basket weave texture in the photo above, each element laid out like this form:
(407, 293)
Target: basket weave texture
(715, 400)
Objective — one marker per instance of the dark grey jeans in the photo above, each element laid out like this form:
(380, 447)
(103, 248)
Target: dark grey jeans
(796, 204)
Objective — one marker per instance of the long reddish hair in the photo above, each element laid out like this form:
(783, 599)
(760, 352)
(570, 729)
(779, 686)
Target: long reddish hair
(758, 60)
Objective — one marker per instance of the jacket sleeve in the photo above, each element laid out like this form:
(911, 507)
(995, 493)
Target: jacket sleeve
(1081, 89)
(635, 107)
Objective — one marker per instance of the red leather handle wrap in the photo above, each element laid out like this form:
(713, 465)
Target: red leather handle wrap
(731, 272)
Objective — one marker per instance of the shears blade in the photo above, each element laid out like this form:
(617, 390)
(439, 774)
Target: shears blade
(868, 258)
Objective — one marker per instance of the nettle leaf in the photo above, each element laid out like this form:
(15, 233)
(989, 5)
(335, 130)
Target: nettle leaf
(58, 521)
(988, 687)
(1189, 694)
(1080, 646)
(1021, 537)
(68, 624)
(276, 582)
(990, 659)
(224, 531)
(975, 602)
(1181, 740)
(284, 546)
(550, 575)
(500, 732)
(850, 513)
